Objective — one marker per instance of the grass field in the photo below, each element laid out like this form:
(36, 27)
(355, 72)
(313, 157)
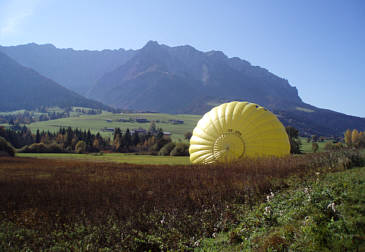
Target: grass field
(97, 122)
(307, 147)
(112, 157)
(73, 205)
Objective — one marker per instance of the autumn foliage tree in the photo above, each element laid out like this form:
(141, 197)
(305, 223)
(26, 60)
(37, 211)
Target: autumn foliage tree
(348, 136)
(354, 138)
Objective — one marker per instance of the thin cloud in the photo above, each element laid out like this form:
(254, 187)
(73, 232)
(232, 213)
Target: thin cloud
(14, 15)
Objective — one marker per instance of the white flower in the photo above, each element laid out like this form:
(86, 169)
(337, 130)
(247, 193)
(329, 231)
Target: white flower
(332, 206)
(270, 196)
(306, 220)
(163, 220)
(309, 198)
(267, 210)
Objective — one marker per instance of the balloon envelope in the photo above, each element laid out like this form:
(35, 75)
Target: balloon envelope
(235, 130)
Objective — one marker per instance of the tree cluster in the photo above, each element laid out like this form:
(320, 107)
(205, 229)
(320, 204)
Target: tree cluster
(154, 141)
(30, 117)
(18, 138)
(354, 138)
(150, 142)
(69, 140)
(66, 139)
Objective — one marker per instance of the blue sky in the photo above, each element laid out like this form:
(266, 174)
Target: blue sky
(319, 46)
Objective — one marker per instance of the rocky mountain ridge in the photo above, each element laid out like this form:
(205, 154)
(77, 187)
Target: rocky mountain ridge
(178, 79)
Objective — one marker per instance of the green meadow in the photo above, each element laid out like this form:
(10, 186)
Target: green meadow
(96, 123)
(307, 147)
(112, 157)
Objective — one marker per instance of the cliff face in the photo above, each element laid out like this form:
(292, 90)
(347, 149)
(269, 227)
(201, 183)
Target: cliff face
(158, 73)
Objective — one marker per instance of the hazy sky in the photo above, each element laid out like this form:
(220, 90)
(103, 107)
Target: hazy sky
(319, 45)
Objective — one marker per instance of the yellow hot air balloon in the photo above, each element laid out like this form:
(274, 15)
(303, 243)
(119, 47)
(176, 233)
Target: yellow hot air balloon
(235, 130)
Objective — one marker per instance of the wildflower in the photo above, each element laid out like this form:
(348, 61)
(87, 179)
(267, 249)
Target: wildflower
(306, 190)
(270, 196)
(214, 235)
(306, 220)
(267, 210)
(332, 206)
(197, 243)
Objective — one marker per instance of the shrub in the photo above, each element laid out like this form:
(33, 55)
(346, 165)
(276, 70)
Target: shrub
(315, 147)
(6, 148)
(34, 148)
(295, 143)
(181, 149)
(334, 146)
(166, 149)
(42, 148)
(188, 135)
(80, 147)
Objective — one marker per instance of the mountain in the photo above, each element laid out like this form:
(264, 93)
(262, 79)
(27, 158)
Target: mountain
(74, 69)
(24, 88)
(184, 76)
(178, 79)
(184, 80)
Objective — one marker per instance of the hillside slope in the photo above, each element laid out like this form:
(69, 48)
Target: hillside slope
(74, 69)
(24, 88)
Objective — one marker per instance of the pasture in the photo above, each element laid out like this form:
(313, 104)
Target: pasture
(307, 147)
(96, 123)
(112, 157)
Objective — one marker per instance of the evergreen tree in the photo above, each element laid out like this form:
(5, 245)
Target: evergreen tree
(135, 138)
(152, 129)
(37, 137)
(127, 139)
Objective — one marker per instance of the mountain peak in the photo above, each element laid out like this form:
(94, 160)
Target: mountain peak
(152, 44)
(217, 54)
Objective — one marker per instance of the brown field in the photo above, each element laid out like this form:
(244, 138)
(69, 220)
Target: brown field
(75, 204)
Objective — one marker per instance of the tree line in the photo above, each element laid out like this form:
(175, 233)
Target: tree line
(65, 140)
(81, 141)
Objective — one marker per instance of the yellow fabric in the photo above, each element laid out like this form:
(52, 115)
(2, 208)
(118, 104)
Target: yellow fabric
(235, 130)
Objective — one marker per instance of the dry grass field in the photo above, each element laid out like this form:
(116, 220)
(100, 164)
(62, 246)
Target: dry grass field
(72, 204)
